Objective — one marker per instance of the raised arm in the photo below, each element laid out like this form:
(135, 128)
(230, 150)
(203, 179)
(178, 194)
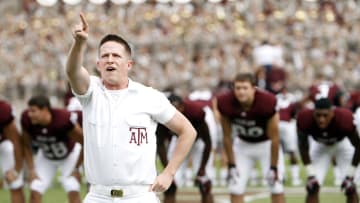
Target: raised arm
(78, 76)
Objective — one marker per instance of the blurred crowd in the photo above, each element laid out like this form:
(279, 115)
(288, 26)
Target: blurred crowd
(190, 46)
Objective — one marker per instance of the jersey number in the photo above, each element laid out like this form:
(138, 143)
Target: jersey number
(55, 150)
(249, 132)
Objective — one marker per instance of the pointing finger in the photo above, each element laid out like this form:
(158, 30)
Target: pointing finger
(84, 22)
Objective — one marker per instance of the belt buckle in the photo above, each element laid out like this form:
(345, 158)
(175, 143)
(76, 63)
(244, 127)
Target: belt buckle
(117, 193)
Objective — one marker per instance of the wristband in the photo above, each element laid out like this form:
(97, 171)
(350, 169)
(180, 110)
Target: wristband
(15, 173)
(310, 170)
(350, 172)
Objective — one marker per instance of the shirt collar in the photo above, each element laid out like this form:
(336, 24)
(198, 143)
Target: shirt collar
(132, 86)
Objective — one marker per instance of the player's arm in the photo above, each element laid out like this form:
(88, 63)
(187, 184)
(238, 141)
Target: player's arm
(78, 76)
(204, 135)
(355, 141)
(214, 107)
(272, 131)
(226, 127)
(28, 155)
(162, 133)
(76, 134)
(11, 132)
(312, 184)
(182, 127)
(303, 143)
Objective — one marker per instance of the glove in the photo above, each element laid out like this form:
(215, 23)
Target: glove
(312, 185)
(348, 186)
(233, 175)
(204, 184)
(272, 175)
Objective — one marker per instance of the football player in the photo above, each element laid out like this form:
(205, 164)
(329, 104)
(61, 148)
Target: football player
(288, 107)
(332, 134)
(59, 136)
(250, 128)
(200, 152)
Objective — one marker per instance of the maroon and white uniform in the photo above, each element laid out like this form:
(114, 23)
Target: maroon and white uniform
(52, 139)
(206, 105)
(194, 112)
(276, 79)
(7, 154)
(354, 101)
(56, 149)
(324, 89)
(251, 142)
(287, 108)
(329, 142)
(204, 99)
(6, 117)
(249, 125)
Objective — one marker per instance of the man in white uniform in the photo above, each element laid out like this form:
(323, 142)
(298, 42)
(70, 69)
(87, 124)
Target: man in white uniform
(119, 121)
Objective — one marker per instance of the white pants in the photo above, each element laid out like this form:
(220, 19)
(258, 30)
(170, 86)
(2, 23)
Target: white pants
(195, 154)
(102, 195)
(46, 170)
(288, 136)
(246, 154)
(7, 162)
(321, 156)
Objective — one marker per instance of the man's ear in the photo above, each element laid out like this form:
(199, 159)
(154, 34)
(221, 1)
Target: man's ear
(98, 65)
(130, 64)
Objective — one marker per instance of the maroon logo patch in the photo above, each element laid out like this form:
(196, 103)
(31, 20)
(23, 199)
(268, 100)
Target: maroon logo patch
(138, 135)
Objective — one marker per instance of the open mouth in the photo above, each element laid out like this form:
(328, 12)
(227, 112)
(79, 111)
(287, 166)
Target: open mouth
(110, 68)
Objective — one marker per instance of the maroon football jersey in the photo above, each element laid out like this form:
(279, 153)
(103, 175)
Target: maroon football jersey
(202, 103)
(194, 112)
(53, 139)
(6, 117)
(289, 112)
(354, 101)
(323, 90)
(340, 126)
(276, 80)
(249, 125)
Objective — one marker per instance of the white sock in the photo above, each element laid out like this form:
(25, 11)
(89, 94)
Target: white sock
(295, 170)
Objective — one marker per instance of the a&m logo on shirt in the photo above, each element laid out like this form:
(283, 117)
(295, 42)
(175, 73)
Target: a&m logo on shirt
(138, 135)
